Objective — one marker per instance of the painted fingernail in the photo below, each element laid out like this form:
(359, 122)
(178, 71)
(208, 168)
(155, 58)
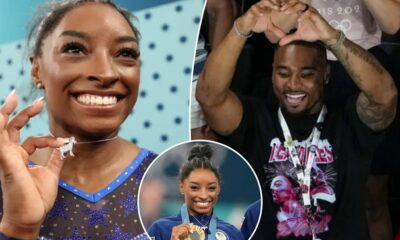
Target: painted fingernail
(38, 100)
(12, 93)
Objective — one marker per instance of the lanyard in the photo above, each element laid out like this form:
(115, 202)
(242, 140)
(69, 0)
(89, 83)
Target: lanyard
(303, 176)
(212, 225)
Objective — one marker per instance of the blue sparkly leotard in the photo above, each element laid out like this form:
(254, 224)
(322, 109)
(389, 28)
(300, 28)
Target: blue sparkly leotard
(110, 213)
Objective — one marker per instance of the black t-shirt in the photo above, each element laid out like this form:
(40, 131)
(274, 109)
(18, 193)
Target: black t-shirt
(338, 174)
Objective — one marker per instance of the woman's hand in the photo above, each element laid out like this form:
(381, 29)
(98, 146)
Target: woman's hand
(180, 232)
(28, 192)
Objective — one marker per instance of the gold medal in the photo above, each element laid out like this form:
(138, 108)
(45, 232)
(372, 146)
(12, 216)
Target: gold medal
(196, 232)
(220, 236)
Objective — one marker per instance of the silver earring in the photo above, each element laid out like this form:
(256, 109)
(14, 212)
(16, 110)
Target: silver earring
(39, 85)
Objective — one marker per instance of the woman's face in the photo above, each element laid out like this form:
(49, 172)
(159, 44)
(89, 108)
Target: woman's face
(90, 71)
(200, 189)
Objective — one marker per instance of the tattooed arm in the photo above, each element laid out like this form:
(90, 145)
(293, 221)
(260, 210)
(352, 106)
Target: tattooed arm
(376, 104)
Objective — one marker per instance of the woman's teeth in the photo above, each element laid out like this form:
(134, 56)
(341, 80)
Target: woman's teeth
(203, 204)
(88, 99)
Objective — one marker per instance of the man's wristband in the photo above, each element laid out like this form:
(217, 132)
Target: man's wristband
(239, 33)
(339, 42)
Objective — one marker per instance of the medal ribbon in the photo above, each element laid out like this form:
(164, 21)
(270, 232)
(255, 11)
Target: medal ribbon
(212, 225)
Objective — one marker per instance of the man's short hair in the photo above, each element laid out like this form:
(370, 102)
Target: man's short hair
(318, 45)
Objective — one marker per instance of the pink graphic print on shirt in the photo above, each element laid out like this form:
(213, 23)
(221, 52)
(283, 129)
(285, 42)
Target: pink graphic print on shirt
(286, 193)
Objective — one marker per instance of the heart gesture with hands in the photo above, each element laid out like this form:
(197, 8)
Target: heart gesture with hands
(258, 19)
(28, 192)
(311, 26)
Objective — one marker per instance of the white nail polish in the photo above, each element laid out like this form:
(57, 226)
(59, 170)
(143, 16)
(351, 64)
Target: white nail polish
(11, 93)
(38, 100)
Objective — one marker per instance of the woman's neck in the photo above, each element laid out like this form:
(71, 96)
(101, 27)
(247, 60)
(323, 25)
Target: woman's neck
(95, 165)
(193, 213)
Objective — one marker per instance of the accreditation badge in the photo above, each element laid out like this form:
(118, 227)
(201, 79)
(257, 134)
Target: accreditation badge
(220, 235)
(196, 232)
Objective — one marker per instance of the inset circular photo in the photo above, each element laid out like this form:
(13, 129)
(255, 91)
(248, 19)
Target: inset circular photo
(200, 190)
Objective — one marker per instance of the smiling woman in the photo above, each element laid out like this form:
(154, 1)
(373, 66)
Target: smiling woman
(200, 181)
(200, 185)
(85, 58)
(106, 91)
